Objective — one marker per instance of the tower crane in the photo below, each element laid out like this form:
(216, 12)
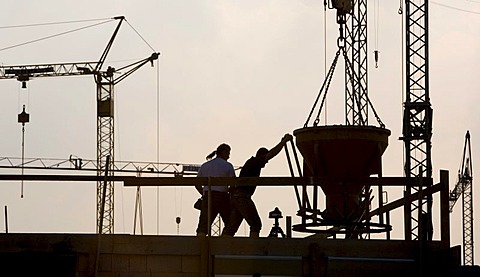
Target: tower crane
(464, 188)
(105, 82)
(418, 113)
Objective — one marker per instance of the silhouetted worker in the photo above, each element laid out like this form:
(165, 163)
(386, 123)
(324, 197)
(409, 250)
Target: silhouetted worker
(241, 196)
(218, 167)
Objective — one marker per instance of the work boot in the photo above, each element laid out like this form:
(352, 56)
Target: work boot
(254, 235)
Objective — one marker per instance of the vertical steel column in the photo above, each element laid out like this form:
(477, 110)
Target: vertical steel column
(356, 87)
(417, 118)
(444, 210)
(105, 141)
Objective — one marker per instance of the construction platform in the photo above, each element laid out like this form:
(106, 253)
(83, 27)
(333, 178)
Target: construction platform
(76, 255)
(318, 254)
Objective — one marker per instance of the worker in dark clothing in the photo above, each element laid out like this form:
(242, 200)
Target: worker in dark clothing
(241, 196)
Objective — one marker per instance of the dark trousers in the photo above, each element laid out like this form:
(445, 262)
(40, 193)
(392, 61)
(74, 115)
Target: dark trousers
(242, 207)
(220, 205)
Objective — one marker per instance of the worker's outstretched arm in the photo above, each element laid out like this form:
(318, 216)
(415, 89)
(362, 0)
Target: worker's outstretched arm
(277, 148)
(199, 189)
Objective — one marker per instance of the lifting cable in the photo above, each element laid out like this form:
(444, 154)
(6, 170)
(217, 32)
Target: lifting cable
(23, 118)
(118, 150)
(376, 19)
(51, 36)
(325, 46)
(158, 142)
(140, 35)
(403, 92)
(178, 208)
(104, 20)
(454, 8)
(51, 23)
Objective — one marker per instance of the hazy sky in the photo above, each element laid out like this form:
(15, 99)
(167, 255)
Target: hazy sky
(241, 72)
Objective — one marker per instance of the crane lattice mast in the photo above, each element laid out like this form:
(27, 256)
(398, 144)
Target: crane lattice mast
(356, 83)
(464, 188)
(417, 117)
(105, 82)
(417, 121)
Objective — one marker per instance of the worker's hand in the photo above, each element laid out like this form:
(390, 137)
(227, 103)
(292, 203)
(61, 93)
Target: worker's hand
(287, 137)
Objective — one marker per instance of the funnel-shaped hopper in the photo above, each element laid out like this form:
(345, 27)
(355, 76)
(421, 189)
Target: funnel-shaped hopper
(342, 153)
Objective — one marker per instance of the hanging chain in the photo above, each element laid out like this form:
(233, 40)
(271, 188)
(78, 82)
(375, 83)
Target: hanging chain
(375, 113)
(348, 65)
(325, 85)
(341, 20)
(329, 80)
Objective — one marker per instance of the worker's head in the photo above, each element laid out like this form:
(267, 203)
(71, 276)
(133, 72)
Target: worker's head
(262, 154)
(223, 151)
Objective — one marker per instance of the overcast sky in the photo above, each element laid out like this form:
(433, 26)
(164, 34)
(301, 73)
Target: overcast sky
(241, 72)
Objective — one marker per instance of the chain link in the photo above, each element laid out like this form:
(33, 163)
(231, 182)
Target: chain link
(325, 85)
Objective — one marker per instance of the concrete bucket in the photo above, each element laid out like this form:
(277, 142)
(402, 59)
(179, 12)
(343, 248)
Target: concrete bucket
(342, 154)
